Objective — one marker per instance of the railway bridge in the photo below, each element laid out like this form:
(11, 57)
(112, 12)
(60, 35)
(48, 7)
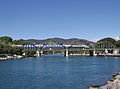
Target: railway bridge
(54, 47)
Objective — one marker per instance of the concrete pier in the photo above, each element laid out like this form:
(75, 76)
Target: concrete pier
(66, 54)
(94, 53)
(39, 53)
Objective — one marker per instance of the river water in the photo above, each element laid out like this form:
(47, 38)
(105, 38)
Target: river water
(57, 72)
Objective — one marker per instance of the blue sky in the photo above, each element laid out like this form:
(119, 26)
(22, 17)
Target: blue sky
(40, 19)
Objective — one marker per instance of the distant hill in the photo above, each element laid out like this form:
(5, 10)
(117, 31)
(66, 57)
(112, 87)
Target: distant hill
(72, 41)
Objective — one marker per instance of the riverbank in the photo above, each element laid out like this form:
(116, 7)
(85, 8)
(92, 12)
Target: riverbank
(110, 55)
(7, 57)
(114, 83)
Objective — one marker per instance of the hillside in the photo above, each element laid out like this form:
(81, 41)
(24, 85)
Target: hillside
(63, 41)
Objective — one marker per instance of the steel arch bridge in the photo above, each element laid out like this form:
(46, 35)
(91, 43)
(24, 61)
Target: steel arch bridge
(52, 44)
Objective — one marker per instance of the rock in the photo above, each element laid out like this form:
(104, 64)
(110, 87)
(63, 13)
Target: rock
(111, 84)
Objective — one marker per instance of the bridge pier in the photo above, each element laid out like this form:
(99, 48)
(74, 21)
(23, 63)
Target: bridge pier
(94, 53)
(39, 53)
(24, 54)
(116, 51)
(66, 53)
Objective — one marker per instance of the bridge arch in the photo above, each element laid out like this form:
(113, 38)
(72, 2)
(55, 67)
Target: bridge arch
(52, 44)
(79, 44)
(29, 45)
(104, 44)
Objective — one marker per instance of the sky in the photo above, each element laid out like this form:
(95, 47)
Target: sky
(41, 19)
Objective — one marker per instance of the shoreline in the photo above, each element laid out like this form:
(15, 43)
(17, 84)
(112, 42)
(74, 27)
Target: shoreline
(6, 57)
(114, 83)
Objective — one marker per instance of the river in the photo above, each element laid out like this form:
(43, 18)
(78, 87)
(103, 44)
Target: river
(57, 72)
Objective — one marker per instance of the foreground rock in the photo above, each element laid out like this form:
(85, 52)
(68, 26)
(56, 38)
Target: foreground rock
(111, 84)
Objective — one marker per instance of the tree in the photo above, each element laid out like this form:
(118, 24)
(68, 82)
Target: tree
(110, 40)
(6, 39)
(29, 52)
(18, 50)
(4, 48)
(1, 48)
(19, 42)
(118, 44)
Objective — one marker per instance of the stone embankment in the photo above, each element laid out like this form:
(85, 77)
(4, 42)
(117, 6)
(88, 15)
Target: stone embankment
(111, 84)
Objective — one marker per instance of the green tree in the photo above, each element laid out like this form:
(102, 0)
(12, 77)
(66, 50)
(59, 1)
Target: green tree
(1, 48)
(109, 39)
(6, 39)
(19, 42)
(29, 52)
(17, 50)
(4, 48)
(118, 44)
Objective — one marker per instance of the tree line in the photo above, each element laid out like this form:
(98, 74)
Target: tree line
(7, 47)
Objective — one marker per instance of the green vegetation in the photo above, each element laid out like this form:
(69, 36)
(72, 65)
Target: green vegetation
(7, 47)
(110, 40)
(29, 52)
(6, 40)
(118, 44)
(18, 42)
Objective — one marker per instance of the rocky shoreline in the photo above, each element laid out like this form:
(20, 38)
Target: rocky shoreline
(114, 83)
(6, 57)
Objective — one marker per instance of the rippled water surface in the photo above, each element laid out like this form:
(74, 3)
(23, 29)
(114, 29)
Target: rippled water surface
(57, 72)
